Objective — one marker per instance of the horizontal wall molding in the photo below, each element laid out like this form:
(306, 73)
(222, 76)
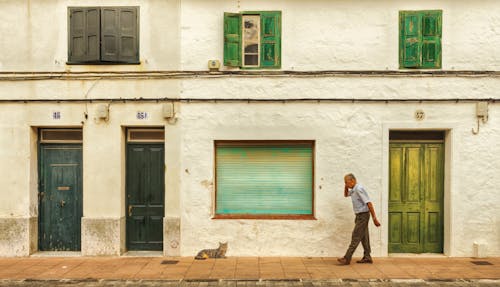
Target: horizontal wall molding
(156, 75)
(253, 100)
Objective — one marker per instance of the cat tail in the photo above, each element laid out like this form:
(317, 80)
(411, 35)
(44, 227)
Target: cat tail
(201, 256)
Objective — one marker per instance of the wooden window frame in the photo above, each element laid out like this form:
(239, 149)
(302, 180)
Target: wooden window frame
(233, 143)
(273, 39)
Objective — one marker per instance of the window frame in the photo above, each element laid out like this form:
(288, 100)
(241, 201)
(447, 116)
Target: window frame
(135, 61)
(265, 143)
(277, 38)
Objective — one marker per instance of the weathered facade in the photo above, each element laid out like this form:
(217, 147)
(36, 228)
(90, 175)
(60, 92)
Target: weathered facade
(338, 92)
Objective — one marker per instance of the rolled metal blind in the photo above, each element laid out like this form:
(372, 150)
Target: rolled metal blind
(259, 179)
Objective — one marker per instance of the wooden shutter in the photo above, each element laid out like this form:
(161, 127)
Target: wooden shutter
(264, 179)
(232, 39)
(84, 34)
(431, 39)
(270, 39)
(110, 34)
(410, 39)
(128, 40)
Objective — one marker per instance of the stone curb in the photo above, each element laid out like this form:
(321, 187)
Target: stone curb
(345, 280)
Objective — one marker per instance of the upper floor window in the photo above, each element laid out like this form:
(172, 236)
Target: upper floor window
(252, 39)
(103, 35)
(420, 39)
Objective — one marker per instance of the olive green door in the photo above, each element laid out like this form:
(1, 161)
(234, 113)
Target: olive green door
(416, 192)
(60, 197)
(145, 196)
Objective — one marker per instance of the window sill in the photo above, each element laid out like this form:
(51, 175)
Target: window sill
(102, 63)
(265, 216)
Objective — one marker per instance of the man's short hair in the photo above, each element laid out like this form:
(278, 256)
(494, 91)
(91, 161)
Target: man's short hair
(350, 176)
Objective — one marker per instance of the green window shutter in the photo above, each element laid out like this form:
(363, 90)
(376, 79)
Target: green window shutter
(431, 39)
(84, 34)
(264, 179)
(270, 39)
(110, 34)
(232, 39)
(410, 39)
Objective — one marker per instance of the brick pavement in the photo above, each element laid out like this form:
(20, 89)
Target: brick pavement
(296, 271)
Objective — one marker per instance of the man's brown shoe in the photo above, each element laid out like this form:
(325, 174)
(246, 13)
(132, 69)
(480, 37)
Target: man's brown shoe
(365, 260)
(343, 261)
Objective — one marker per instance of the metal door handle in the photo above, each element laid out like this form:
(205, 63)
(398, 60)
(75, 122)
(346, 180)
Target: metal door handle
(130, 210)
(62, 203)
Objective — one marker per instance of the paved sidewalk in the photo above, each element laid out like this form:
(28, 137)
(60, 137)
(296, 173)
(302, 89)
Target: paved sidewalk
(245, 268)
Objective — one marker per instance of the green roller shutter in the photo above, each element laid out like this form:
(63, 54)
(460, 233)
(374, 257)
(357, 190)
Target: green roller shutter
(272, 179)
(232, 39)
(271, 39)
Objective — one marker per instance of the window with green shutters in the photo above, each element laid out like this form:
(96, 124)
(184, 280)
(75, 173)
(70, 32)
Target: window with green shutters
(264, 179)
(420, 39)
(103, 35)
(252, 39)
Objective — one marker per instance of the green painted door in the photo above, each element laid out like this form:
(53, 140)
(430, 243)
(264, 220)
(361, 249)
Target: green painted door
(145, 196)
(60, 197)
(416, 191)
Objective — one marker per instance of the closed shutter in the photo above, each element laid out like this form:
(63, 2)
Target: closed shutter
(128, 35)
(110, 34)
(264, 179)
(271, 39)
(84, 34)
(431, 39)
(410, 39)
(232, 39)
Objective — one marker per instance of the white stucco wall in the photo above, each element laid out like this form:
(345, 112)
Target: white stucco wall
(35, 35)
(349, 136)
(347, 35)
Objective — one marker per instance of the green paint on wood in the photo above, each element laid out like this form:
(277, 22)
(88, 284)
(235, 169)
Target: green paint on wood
(60, 197)
(270, 42)
(420, 39)
(270, 56)
(416, 198)
(232, 39)
(264, 180)
(145, 196)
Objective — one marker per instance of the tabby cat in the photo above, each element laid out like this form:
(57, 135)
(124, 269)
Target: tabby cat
(213, 253)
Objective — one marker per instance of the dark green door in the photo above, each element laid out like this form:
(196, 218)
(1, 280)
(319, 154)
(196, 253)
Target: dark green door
(60, 194)
(416, 191)
(145, 196)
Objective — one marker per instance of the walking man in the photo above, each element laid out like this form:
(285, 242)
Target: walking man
(362, 206)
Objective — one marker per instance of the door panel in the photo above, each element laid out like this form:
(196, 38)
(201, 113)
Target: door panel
(416, 197)
(145, 196)
(60, 197)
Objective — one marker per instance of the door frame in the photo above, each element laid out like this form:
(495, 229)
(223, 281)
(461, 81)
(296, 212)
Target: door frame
(450, 159)
(39, 164)
(128, 141)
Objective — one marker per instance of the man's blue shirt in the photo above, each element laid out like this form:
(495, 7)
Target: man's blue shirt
(359, 198)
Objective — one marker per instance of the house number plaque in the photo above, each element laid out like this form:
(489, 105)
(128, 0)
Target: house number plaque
(142, 115)
(419, 115)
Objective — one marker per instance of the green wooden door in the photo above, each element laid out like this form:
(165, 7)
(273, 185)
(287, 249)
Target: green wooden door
(145, 196)
(416, 197)
(60, 194)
